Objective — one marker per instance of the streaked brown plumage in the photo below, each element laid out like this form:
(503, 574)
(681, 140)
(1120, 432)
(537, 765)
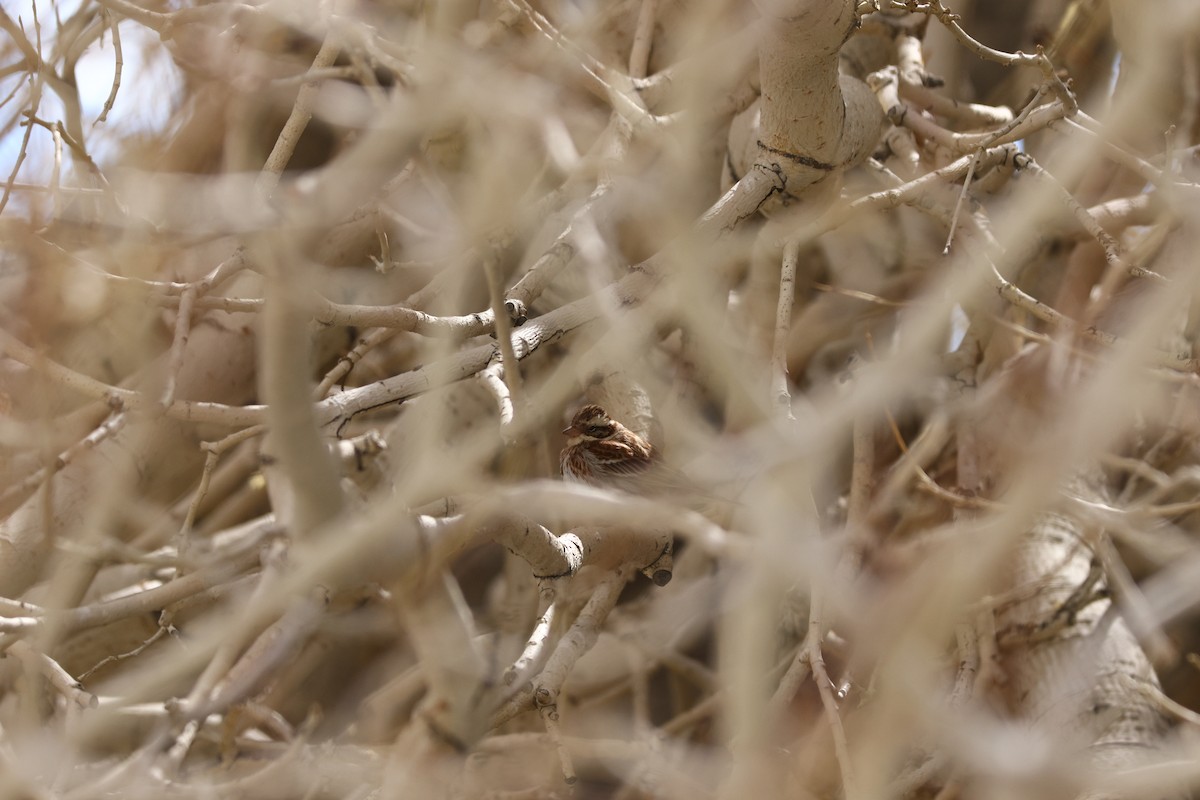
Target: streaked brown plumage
(602, 452)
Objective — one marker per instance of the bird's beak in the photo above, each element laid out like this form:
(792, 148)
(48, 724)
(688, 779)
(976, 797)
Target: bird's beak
(570, 430)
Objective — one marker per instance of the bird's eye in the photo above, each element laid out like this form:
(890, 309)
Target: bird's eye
(598, 431)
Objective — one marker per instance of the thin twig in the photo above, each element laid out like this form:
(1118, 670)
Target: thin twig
(54, 674)
(1113, 252)
(129, 399)
(114, 25)
(643, 39)
(534, 651)
(116, 657)
(56, 172)
(35, 93)
(212, 455)
(862, 471)
(508, 364)
(578, 640)
(962, 196)
(183, 328)
(780, 396)
(816, 662)
(110, 426)
(298, 120)
(549, 716)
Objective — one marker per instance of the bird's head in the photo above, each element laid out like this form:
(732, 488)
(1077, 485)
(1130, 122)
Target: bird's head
(590, 423)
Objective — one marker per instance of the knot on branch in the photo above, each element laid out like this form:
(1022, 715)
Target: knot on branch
(516, 312)
(544, 696)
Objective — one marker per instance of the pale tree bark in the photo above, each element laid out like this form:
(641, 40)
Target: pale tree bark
(293, 309)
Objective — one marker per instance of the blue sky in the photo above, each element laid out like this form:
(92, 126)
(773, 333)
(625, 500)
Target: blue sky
(149, 85)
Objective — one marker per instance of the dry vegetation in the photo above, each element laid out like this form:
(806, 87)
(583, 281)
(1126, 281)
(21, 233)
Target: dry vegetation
(291, 319)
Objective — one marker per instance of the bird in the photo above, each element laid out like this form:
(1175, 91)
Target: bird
(602, 452)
